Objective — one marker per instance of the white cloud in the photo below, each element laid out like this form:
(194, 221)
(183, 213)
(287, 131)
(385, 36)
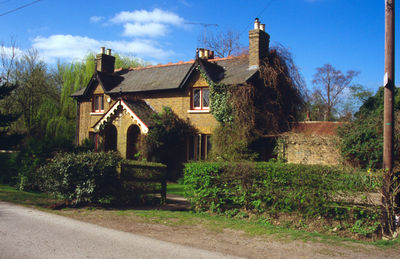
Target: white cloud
(66, 47)
(149, 29)
(139, 25)
(71, 48)
(96, 19)
(143, 16)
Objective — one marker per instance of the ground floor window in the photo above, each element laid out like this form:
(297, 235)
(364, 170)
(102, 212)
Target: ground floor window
(198, 147)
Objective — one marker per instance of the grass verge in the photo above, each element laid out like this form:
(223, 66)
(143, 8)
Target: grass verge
(181, 219)
(39, 200)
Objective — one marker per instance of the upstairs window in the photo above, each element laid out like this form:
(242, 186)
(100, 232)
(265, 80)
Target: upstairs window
(201, 98)
(98, 103)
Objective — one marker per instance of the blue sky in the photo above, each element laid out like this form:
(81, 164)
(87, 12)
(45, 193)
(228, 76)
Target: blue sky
(349, 34)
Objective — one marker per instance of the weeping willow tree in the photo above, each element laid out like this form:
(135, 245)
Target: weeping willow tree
(58, 116)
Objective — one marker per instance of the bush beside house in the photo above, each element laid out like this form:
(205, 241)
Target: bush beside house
(94, 177)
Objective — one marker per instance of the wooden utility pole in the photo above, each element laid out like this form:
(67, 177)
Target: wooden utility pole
(388, 118)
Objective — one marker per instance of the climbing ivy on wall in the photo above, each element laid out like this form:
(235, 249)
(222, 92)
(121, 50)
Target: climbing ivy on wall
(249, 113)
(220, 106)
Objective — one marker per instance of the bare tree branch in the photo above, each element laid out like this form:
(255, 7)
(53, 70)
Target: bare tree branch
(329, 85)
(223, 43)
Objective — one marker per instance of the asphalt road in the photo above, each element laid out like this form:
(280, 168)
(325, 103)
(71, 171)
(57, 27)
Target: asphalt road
(29, 233)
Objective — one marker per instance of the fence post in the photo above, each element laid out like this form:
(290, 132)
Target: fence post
(164, 187)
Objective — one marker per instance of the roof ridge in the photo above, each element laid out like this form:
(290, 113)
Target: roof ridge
(225, 58)
(162, 65)
(176, 64)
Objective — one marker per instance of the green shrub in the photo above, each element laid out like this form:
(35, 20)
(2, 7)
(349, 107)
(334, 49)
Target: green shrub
(272, 187)
(33, 154)
(82, 177)
(166, 141)
(361, 142)
(8, 168)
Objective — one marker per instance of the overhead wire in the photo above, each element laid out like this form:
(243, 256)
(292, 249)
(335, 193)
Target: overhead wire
(19, 8)
(258, 15)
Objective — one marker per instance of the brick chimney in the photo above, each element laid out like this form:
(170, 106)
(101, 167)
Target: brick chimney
(104, 61)
(258, 44)
(204, 53)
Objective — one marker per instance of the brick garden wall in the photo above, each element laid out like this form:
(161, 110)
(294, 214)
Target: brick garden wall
(310, 149)
(311, 143)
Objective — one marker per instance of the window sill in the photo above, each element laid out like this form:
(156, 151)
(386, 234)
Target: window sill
(96, 113)
(198, 111)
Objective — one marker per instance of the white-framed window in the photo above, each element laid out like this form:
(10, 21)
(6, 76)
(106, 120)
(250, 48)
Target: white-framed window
(200, 98)
(98, 103)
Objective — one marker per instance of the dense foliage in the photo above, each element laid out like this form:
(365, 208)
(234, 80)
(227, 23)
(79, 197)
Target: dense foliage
(8, 167)
(82, 177)
(362, 140)
(42, 98)
(7, 141)
(267, 186)
(274, 188)
(166, 140)
(250, 112)
(90, 177)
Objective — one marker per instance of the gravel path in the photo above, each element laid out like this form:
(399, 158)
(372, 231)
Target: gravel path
(29, 233)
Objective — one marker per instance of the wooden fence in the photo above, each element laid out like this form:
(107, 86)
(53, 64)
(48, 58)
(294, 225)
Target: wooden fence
(140, 179)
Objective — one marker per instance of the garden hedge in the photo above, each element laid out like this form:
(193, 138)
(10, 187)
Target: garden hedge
(274, 187)
(98, 177)
(82, 177)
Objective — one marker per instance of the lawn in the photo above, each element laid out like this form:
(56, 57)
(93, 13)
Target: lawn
(176, 189)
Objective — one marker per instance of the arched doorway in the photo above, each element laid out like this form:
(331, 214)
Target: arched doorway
(110, 138)
(131, 141)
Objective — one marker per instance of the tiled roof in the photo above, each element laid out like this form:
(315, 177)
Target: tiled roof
(236, 70)
(109, 81)
(79, 93)
(152, 78)
(229, 71)
(142, 110)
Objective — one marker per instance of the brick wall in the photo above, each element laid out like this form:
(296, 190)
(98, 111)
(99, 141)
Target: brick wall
(179, 101)
(87, 118)
(309, 149)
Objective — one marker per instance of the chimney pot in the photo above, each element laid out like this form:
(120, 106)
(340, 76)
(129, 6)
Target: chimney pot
(211, 54)
(201, 53)
(256, 24)
(109, 52)
(102, 50)
(206, 53)
(262, 27)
